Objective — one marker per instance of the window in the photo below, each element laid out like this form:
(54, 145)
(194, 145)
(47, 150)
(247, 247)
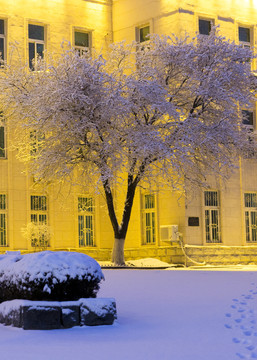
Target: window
(2, 137)
(2, 40)
(248, 122)
(251, 217)
(81, 41)
(38, 209)
(36, 44)
(211, 212)
(86, 221)
(36, 142)
(38, 206)
(244, 36)
(204, 26)
(143, 31)
(247, 118)
(3, 216)
(149, 219)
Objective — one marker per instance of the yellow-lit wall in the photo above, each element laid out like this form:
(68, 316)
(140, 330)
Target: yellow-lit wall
(181, 18)
(118, 21)
(60, 18)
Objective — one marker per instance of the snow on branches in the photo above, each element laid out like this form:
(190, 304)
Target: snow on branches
(170, 110)
(172, 105)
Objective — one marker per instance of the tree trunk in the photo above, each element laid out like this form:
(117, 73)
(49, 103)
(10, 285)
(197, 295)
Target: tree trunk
(118, 252)
(120, 232)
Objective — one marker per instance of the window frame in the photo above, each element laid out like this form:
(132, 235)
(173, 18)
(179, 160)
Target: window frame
(245, 43)
(35, 42)
(81, 49)
(211, 21)
(249, 126)
(212, 213)
(36, 142)
(251, 232)
(37, 213)
(149, 232)
(3, 152)
(86, 234)
(137, 33)
(3, 218)
(4, 37)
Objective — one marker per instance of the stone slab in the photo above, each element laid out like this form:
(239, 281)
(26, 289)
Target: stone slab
(48, 315)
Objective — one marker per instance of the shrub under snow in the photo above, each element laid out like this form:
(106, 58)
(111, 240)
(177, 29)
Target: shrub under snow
(48, 275)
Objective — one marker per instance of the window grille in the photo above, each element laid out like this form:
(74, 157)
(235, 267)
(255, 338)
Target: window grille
(3, 220)
(212, 217)
(39, 216)
(149, 219)
(38, 203)
(250, 217)
(36, 142)
(86, 221)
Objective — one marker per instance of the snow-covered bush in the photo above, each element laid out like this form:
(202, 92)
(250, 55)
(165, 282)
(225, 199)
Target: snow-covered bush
(48, 275)
(38, 235)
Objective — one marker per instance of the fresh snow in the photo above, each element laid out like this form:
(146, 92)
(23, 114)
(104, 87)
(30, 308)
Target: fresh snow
(42, 265)
(98, 306)
(146, 262)
(162, 315)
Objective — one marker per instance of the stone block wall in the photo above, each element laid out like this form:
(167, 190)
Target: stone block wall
(222, 255)
(48, 315)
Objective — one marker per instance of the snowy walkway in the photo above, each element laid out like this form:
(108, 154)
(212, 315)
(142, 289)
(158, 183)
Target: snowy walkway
(162, 315)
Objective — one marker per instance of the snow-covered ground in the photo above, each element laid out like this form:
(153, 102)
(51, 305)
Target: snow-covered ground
(162, 314)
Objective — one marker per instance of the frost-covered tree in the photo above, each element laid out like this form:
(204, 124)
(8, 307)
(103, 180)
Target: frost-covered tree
(168, 112)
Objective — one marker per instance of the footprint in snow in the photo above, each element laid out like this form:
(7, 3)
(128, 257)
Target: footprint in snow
(242, 321)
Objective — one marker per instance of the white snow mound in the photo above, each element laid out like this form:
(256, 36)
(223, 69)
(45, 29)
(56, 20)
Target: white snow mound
(42, 265)
(148, 262)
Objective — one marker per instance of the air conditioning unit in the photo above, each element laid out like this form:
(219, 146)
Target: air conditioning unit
(169, 233)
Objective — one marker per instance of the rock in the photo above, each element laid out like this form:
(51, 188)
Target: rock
(70, 316)
(48, 315)
(97, 312)
(41, 317)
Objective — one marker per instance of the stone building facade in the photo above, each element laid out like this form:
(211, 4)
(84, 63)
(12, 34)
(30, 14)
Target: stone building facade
(218, 225)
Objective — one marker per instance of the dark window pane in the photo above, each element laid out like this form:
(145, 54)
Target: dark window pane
(247, 117)
(2, 145)
(143, 33)
(1, 49)
(31, 54)
(40, 50)
(2, 202)
(204, 27)
(211, 198)
(2, 27)
(81, 39)
(244, 34)
(36, 32)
